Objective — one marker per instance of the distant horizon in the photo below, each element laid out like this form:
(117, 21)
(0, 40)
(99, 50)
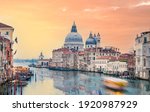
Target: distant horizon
(42, 26)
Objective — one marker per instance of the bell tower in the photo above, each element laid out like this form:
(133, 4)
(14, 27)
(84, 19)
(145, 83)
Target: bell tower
(98, 40)
(41, 56)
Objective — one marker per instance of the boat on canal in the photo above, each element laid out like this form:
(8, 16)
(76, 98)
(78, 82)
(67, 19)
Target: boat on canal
(115, 83)
(32, 65)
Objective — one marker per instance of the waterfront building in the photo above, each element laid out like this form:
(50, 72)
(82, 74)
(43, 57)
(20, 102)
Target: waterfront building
(6, 31)
(130, 59)
(142, 48)
(42, 63)
(65, 58)
(116, 67)
(93, 41)
(101, 63)
(73, 40)
(98, 58)
(82, 65)
(57, 57)
(70, 60)
(6, 56)
(91, 58)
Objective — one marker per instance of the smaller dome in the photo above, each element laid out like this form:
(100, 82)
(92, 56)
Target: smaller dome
(95, 37)
(91, 40)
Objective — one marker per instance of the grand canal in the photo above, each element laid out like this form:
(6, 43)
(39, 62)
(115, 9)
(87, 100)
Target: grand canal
(49, 82)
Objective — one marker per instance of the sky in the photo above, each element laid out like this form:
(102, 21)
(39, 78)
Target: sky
(42, 25)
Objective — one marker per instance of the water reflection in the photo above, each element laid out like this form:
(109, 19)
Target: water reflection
(48, 82)
(77, 83)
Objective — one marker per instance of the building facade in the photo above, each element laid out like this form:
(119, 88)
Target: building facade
(130, 59)
(142, 48)
(42, 63)
(114, 67)
(97, 58)
(57, 57)
(6, 55)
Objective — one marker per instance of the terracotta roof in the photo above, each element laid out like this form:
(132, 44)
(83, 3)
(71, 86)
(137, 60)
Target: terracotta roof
(81, 53)
(61, 49)
(5, 26)
(102, 50)
(106, 57)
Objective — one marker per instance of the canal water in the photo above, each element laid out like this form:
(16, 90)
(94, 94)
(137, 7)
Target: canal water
(49, 82)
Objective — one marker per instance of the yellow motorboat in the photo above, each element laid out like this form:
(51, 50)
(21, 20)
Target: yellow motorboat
(115, 83)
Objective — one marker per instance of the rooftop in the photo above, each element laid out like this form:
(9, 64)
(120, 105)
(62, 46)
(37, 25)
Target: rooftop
(2, 25)
(146, 32)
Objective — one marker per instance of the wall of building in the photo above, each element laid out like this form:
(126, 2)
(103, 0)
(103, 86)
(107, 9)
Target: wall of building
(117, 66)
(142, 47)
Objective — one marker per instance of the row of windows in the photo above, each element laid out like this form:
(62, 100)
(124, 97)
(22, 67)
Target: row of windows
(101, 62)
(7, 33)
(90, 46)
(121, 66)
(104, 54)
(144, 62)
(139, 51)
(140, 40)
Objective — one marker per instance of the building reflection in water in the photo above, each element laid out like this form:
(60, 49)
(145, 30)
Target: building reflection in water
(51, 82)
(76, 83)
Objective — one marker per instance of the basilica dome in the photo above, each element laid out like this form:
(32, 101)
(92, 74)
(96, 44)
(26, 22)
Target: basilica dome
(74, 40)
(73, 37)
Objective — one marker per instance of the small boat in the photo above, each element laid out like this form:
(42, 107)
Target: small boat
(24, 77)
(32, 65)
(115, 83)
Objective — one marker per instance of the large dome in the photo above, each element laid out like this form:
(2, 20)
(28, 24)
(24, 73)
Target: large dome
(91, 40)
(73, 37)
(74, 40)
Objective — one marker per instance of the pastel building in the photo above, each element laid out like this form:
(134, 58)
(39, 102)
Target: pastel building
(142, 48)
(57, 57)
(98, 58)
(116, 66)
(6, 43)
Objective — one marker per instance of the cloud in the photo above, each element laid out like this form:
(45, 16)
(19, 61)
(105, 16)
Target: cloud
(64, 9)
(115, 8)
(142, 4)
(91, 10)
(101, 9)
